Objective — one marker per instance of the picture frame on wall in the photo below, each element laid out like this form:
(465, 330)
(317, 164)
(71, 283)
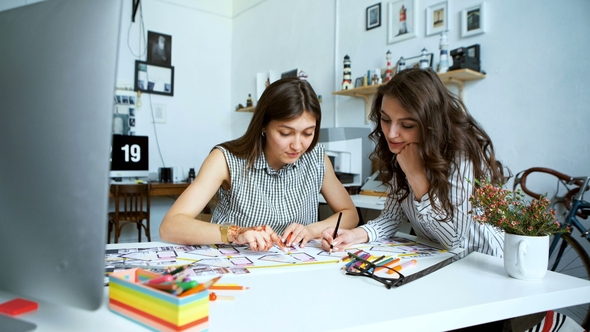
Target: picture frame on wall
(150, 78)
(437, 18)
(402, 18)
(159, 49)
(472, 20)
(359, 82)
(374, 16)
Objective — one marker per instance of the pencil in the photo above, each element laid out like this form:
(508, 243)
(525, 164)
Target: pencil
(335, 231)
(227, 287)
(402, 266)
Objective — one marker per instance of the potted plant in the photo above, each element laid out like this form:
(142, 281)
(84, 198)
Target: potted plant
(527, 226)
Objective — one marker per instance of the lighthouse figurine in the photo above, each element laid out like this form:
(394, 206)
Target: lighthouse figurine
(424, 63)
(388, 71)
(347, 82)
(443, 65)
(401, 64)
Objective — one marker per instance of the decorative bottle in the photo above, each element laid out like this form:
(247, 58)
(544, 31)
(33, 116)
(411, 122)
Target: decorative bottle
(191, 175)
(249, 101)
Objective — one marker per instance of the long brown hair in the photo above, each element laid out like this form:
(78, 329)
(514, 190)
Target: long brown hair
(447, 130)
(284, 100)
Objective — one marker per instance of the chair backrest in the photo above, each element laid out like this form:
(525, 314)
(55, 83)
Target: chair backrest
(131, 200)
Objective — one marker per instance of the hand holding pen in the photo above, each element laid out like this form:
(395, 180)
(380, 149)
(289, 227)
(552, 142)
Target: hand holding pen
(335, 235)
(296, 234)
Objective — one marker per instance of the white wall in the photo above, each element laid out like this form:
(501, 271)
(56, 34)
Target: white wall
(198, 115)
(533, 102)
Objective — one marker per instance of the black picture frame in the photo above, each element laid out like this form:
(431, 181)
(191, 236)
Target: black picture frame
(159, 50)
(373, 16)
(359, 82)
(151, 78)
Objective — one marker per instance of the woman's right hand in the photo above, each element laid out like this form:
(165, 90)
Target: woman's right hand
(259, 238)
(344, 239)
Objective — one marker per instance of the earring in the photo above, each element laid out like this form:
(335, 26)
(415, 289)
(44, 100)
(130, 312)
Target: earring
(263, 134)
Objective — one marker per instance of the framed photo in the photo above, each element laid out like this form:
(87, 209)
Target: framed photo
(159, 49)
(374, 16)
(437, 18)
(358, 82)
(402, 18)
(150, 78)
(472, 20)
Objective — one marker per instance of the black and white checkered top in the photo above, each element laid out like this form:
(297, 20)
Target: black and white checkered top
(260, 195)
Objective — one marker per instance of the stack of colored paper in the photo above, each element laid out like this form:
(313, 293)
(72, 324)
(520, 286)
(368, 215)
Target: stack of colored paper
(153, 308)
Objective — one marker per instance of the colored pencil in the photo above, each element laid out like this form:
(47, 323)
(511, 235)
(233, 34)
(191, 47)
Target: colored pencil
(228, 287)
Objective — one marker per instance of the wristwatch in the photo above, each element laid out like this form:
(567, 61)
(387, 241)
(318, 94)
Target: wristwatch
(223, 229)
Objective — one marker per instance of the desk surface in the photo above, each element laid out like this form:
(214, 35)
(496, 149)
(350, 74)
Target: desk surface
(471, 291)
(364, 201)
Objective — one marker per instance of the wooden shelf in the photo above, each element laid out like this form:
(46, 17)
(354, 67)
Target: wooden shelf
(457, 77)
(246, 109)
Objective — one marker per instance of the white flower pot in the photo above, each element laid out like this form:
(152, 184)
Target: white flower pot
(526, 257)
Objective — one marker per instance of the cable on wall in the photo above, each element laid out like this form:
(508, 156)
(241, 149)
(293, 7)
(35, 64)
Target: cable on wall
(142, 53)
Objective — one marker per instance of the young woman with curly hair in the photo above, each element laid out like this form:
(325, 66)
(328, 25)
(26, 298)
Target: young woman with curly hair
(431, 150)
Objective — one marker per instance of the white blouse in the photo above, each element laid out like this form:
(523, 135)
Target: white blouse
(461, 232)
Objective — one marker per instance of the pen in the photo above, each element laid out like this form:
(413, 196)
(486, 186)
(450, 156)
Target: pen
(335, 231)
(402, 266)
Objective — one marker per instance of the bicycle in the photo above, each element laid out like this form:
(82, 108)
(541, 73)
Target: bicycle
(566, 254)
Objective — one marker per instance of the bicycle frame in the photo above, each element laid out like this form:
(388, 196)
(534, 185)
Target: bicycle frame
(572, 220)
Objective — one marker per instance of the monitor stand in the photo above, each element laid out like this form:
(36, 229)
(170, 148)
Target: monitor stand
(15, 325)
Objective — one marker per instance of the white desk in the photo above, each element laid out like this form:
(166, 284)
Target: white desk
(472, 291)
(364, 201)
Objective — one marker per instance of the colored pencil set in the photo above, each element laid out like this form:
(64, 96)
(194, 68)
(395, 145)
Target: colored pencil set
(174, 282)
(382, 262)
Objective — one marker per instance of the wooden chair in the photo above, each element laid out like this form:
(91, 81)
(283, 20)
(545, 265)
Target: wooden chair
(132, 206)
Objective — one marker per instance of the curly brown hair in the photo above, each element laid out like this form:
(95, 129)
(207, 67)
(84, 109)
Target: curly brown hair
(447, 130)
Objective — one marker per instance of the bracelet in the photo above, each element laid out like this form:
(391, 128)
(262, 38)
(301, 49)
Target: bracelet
(223, 229)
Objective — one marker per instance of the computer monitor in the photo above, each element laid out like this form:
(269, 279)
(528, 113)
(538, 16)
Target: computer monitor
(57, 84)
(129, 157)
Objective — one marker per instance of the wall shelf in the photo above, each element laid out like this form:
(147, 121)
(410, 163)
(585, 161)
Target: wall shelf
(246, 109)
(249, 109)
(457, 77)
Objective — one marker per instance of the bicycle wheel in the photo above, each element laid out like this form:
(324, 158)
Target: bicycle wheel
(575, 262)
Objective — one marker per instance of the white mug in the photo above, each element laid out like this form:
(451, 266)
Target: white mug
(526, 257)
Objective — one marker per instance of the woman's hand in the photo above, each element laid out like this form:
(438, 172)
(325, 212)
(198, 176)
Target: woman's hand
(259, 238)
(410, 160)
(296, 233)
(343, 240)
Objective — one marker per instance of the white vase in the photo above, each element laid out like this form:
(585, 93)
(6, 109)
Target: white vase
(526, 257)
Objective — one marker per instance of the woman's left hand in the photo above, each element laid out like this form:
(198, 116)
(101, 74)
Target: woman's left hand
(296, 233)
(410, 160)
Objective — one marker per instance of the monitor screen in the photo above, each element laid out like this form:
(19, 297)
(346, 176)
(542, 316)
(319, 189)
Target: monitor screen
(58, 65)
(129, 157)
